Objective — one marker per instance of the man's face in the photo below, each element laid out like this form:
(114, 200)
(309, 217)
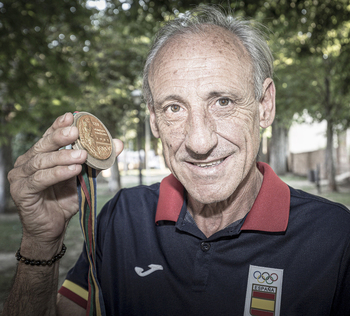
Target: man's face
(205, 113)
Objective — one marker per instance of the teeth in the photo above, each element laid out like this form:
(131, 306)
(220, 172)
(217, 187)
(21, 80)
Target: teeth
(211, 164)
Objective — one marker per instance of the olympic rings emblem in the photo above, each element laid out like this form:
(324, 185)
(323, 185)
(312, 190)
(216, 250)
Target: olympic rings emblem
(265, 277)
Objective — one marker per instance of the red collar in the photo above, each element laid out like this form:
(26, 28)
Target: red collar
(270, 211)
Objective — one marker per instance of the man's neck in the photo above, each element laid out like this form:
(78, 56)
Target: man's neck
(211, 218)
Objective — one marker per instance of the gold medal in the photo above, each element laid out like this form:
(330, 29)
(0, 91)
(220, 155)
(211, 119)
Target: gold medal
(95, 139)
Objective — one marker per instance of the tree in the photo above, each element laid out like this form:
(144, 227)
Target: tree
(64, 56)
(316, 45)
(119, 55)
(311, 45)
(40, 41)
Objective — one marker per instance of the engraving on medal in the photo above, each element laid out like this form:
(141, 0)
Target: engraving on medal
(94, 137)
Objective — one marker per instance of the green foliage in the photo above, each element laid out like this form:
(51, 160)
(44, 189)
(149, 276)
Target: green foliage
(62, 56)
(42, 53)
(311, 41)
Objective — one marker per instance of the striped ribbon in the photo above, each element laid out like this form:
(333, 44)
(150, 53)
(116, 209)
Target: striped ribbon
(86, 188)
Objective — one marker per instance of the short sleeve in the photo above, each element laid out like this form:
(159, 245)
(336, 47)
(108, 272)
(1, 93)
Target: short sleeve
(75, 286)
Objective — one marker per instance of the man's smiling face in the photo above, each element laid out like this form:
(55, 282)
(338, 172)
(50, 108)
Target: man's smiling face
(205, 112)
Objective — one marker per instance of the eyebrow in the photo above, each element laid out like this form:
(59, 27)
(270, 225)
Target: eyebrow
(210, 95)
(168, 98)
(215, 94)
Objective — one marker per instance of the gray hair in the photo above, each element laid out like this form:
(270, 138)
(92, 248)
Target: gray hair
(193, 21)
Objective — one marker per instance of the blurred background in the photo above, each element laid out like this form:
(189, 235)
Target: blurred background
(67, 55)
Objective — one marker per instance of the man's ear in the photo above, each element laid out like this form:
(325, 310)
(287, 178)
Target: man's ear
(153, 121)
(267, 106)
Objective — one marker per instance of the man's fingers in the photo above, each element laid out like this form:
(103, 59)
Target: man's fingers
(54, 141)
(62, 121)
(49, 160)
(49, 143)
(119, 146)
(43, 179)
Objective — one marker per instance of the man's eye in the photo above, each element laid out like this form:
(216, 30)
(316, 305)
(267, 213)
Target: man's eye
(224, 102)
(175, 108)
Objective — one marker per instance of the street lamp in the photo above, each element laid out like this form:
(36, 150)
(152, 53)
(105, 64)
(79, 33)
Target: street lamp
(137, 98)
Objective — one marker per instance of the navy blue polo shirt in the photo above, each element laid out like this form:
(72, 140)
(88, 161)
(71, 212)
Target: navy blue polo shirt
(290, 255)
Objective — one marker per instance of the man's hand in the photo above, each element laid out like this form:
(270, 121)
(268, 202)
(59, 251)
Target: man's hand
(43, 182)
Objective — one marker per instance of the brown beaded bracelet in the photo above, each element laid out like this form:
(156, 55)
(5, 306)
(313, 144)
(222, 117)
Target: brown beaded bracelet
(32, 262)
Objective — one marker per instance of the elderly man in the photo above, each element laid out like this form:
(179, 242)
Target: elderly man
(222, 235)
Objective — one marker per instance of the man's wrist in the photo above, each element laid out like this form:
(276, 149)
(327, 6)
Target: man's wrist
(40, 262)
(38, 249)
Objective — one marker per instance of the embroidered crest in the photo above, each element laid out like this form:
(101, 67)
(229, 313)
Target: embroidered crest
(264, 291)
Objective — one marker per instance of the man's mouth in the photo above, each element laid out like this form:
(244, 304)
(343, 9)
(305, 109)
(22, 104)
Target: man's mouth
(209, 164)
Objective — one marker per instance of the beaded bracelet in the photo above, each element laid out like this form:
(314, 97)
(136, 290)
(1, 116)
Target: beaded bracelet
(32, 262)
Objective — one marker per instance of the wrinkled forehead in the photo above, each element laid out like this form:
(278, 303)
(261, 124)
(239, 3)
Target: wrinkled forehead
(208, 44)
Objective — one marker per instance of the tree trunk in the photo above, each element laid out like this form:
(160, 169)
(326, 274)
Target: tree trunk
(330, 167)
(114, 183)
(279, 148)
(6, 203)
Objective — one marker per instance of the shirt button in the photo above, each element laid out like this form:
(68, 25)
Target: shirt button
(205, 246)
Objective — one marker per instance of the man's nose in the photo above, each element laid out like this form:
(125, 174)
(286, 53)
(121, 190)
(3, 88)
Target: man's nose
(201, 135)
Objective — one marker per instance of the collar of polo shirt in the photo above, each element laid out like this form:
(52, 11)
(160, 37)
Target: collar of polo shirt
(269, 213)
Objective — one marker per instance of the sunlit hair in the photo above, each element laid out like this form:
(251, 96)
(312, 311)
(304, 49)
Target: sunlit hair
(196, 21)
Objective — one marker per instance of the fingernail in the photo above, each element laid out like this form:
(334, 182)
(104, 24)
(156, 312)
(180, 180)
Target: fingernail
(76, 153)
(63, 117)
(66, 131)
(71, 167)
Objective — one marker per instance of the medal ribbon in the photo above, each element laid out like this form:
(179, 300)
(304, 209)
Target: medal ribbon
(86, 187)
